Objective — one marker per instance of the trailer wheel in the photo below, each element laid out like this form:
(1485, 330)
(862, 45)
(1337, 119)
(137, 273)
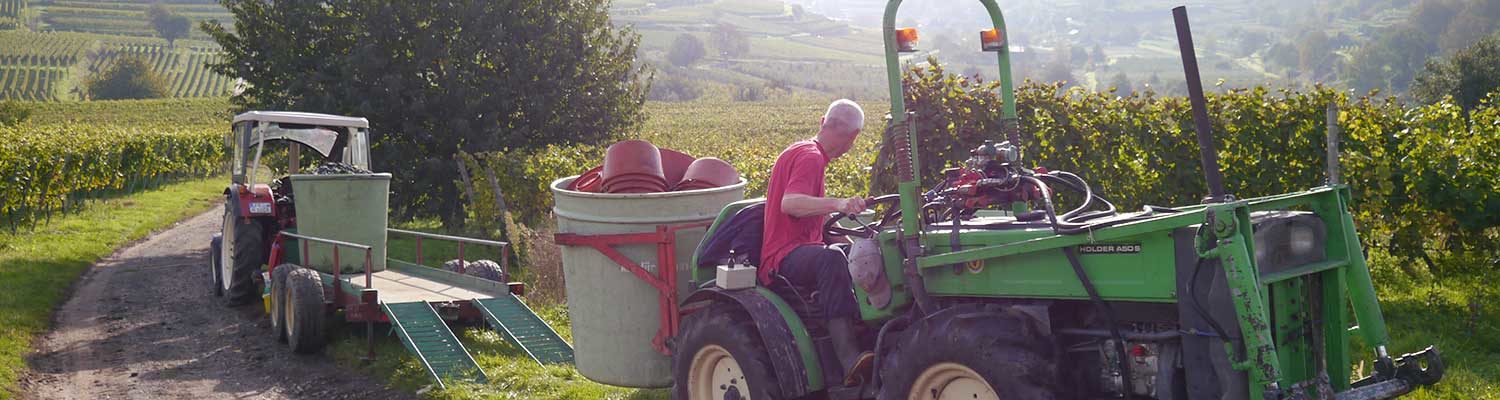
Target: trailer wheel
(719, 355)
(215, 249)
(304, 312)
(279, 299)
(969, 352)
(245, 258)
(485, 269)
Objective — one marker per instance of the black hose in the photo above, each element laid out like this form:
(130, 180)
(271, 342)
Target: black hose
(1104, 308)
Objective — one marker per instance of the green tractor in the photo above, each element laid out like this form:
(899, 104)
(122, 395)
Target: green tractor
(979, 288)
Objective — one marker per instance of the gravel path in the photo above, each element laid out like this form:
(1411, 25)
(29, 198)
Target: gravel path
(143, 324)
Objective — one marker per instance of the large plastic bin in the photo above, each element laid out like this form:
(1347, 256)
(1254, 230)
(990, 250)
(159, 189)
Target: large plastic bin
(614, 314)
(347, 208)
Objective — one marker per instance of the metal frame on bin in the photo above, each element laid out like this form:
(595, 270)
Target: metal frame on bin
(665, 280)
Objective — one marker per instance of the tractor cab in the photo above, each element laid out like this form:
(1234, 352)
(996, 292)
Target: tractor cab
(258, 201)
(336, 139)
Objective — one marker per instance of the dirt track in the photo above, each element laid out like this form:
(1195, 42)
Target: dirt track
(143, 324)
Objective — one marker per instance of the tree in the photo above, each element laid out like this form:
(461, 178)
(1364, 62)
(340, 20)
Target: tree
(1059, 71)
(1121, 83)
(729, 40)
(1390, 61)
(1468, 76)
(437, 78)
(168, 25)
(685, 50)
(126, 78)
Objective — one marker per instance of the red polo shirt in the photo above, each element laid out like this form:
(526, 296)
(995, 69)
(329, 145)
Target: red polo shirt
(799, 169)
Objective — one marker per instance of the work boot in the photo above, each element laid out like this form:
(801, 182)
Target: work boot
(857, 363)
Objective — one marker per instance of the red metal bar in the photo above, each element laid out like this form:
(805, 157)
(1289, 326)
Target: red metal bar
(368, 272)
(665, 279)
(419, 251)
(337, 300)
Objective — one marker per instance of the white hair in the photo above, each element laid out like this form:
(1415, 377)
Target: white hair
(843, 117)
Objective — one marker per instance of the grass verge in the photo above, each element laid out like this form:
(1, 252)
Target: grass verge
(37, 267)
(511, 374)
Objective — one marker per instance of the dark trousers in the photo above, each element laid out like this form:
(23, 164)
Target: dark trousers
(827, 271)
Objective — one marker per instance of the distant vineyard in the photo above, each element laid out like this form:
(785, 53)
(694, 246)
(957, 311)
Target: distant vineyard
(10, 13)
(127, 18)
(50, 66)
(50, 168)
(29, 83)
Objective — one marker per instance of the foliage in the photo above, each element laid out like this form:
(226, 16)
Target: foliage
(1424, 178)
(1468, 76)
(53, 167)
(748, 93)
(167, 24)
(13, 113)
(126, 78)
(729, 40)
(438, 78)
(686, 50)
(674, 88)
(1389, 62)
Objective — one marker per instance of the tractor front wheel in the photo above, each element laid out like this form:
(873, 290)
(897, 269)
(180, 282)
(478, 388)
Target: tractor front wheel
(719, 356)
(306, 327)
(969, 352)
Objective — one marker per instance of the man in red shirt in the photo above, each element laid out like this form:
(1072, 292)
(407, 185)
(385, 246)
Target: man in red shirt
(792, 244)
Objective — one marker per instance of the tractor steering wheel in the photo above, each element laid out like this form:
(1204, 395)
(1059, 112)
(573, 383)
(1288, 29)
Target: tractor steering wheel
(867, 231)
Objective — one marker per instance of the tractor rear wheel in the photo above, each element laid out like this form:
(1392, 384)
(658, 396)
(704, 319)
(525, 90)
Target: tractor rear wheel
(306, 327)
(719, 356)
(215, 257)
(969, 352)
(245, 256)
(279, 299)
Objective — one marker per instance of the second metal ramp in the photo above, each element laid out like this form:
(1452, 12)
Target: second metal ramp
(426, 335)
(523, 327)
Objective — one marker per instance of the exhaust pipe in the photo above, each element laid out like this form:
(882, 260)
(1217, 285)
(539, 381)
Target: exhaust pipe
(1208, 151)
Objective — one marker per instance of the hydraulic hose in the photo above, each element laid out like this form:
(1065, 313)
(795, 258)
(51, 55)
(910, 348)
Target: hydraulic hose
(1105, 309)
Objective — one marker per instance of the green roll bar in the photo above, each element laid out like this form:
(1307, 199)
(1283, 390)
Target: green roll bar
(909, 185)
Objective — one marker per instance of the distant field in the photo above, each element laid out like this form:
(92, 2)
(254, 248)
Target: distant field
(126, 18)
(44, 66)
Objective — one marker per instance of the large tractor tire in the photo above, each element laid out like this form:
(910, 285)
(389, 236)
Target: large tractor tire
(244, 258)
(306, 326)
(719, 356)
(970, 352)
(279, 300)
(215, 256)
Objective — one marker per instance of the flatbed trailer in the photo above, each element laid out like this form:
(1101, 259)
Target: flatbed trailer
(418, 302)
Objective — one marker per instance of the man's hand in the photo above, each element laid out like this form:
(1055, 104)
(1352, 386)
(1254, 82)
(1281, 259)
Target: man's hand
(852, 205)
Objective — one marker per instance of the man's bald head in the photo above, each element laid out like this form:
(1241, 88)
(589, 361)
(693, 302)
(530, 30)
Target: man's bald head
(840, 125)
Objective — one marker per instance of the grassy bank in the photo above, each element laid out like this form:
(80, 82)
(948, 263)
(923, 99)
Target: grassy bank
(37, 267)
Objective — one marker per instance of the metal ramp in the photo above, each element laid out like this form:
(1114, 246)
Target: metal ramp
(426, 335)
(521, 326)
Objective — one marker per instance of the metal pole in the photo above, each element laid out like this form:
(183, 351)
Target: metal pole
(419, 251)
(1208, 152)
(462, 268)
(1333, 143)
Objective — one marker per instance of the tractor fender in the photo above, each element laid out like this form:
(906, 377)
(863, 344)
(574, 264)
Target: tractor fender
(255, 202)
(791, 349)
